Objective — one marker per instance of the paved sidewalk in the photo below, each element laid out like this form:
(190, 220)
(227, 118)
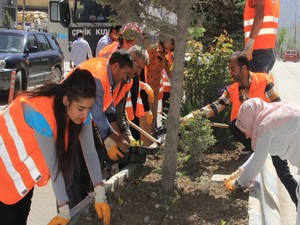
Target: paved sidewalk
(43, 207)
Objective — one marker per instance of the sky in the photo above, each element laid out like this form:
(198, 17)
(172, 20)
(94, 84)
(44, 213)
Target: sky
(289, 13)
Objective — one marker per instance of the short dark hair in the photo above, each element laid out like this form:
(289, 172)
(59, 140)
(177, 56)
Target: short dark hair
(241, 59)
(117, 28)
(79, 34)
(122, 57)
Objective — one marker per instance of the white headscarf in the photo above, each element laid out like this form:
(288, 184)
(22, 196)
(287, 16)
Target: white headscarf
(257, 116)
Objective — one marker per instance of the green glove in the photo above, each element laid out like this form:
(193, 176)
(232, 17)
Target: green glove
(63, 217)
(112, 149)
(101, 206)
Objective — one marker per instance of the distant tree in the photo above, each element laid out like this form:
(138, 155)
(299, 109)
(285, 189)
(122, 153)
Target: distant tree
(7, 20)
(217, 16)
(281, 38)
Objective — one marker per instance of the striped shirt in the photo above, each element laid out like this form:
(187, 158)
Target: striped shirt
(225, 100)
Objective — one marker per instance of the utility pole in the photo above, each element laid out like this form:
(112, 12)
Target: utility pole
(23, 15)
(295, 33)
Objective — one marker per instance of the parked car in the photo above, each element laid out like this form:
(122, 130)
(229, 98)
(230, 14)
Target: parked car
(291, 55)
(32, 54)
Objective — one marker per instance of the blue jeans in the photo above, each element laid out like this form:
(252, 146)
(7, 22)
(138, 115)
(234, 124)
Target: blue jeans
(262, 60)
(281, 166)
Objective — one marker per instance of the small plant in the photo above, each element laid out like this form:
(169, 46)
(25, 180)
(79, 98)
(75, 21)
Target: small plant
(223, 222)
(120, 201)
(136, 143)
(171, 200)
(195, 136)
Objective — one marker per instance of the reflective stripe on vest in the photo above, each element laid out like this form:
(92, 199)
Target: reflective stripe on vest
(139, 110)
(21, 150)
(166, 81)
(129, 107)
(160, 90)
(267, 35)
(13, 173)
(165, 78)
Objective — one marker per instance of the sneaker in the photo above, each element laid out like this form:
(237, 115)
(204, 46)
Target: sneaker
(246, 151)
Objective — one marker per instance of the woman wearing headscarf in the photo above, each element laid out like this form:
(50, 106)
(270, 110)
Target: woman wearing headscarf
(274, 128)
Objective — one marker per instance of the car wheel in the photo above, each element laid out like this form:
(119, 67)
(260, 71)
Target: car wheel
(56, 76)
(18, 83)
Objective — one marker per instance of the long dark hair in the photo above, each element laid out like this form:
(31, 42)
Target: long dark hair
(80, 84)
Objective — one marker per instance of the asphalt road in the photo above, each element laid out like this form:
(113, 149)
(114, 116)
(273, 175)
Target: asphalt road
(287, 81)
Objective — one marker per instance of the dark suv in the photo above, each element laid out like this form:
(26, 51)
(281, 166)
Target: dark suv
(35, 56)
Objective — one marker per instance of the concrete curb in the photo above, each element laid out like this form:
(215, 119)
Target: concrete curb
(264, 197)
(82, 208)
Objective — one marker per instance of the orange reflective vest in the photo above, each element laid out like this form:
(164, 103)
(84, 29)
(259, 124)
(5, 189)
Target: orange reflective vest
(98, 68)
(166, 83)
(139, 107)
(107, 51)
(257, 90)
(120, 92)
(22, 164)
(161, 86)
(267, 35)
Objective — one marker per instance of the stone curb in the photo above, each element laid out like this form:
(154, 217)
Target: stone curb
(82, 208)
(263, 206)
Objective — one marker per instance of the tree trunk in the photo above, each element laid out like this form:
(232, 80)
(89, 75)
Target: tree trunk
(172, 123)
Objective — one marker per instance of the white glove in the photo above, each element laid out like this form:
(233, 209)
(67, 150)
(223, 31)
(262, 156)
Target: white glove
(63, 216)
(237, 173)
(188, 117)
(101, 206)
(249, 48)
(192, 115)
(100, 193)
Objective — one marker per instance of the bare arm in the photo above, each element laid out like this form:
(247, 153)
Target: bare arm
(258, 19)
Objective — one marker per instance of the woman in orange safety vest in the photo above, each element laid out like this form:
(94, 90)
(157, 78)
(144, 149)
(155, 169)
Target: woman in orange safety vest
(39, 132)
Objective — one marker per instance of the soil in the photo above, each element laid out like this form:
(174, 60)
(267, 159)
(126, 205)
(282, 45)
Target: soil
(196, 200)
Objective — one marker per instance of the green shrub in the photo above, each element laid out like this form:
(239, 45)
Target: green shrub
(206, 76)
(195, 136)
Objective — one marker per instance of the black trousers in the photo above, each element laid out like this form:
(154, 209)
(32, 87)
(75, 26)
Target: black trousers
(281, 166)
(17, 213)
